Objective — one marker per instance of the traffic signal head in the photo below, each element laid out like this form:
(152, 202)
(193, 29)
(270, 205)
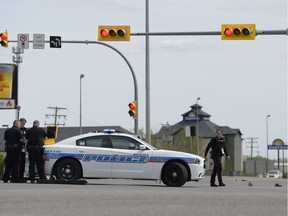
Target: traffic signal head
(52, 132)
(133, 109)
(4, 39)
(113, 33)
(238, 32)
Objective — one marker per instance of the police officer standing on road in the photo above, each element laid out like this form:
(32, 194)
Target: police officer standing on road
(22, 156)
(218, 150)
(13, 138)
(35, 137)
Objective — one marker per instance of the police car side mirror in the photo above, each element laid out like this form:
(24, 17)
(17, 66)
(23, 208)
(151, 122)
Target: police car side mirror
(142, 147)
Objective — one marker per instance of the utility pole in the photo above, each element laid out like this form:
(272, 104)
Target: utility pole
(56, 115)
(251, 145)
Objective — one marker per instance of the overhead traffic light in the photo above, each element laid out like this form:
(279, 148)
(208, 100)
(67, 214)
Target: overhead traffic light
(133, 109)
(4, 39)
(113, 33)
(238, 32)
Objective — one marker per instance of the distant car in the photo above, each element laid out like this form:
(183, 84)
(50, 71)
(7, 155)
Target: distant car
(111, 154)
(275, 174)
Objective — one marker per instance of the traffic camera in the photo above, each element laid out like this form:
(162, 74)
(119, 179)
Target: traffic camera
(4, 39)
(133, 109)
(238, 32)
(113, 33)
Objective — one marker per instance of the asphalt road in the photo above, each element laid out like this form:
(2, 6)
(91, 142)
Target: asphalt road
(128, 197)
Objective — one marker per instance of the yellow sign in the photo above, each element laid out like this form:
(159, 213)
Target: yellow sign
(6, 81)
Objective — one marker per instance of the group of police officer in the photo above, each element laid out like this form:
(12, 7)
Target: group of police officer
(18, 140)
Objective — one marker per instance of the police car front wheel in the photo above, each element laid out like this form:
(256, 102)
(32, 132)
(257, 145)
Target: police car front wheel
(174, 174)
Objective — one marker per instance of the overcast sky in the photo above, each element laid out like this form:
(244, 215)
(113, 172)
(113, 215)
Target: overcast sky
(239, 82)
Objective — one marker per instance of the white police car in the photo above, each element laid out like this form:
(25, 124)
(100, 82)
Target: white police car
(117, 155)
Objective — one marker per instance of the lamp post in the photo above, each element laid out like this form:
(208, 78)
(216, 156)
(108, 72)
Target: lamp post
(267, 142)
(197, 125)
(81, 76)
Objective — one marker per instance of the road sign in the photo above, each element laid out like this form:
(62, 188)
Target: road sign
(23, 41)
(276, 147)
(7, 104)
(55, 41)
(38, 41)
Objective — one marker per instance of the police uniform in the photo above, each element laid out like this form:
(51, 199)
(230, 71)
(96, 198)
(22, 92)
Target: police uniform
(13, 138)
(35, 137)
(218, 150)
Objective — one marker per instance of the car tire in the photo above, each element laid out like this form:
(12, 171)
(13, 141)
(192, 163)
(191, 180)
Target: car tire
(174, 175)
(68, 169)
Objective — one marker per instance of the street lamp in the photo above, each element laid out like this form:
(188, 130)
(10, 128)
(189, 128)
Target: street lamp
(81, 76)
(197, 125)
(267, 142)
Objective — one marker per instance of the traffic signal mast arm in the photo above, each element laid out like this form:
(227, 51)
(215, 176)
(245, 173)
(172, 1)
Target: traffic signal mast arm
(258, 32)
(207, 33)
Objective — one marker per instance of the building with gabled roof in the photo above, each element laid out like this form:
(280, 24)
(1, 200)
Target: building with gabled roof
(197, 120)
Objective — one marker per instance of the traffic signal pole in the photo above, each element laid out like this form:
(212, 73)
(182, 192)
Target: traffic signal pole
(125, 59)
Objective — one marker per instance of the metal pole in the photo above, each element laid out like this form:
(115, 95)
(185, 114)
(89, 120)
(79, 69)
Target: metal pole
(267, 142)
(147, 79)
(17, 59)
(208, 33)
(197, 123)
(125, 59)
(81, 76)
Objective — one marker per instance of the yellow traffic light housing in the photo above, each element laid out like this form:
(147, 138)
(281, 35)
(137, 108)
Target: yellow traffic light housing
(4, 39)
(238, 31)
(52, 132)
(133, 109)
(114, 33)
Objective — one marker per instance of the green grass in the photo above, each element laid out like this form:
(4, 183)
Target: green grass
(2, 157)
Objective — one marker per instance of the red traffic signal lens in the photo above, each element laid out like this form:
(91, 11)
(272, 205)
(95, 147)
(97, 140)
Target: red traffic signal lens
(228, 32)
(132, 106)
(246, 31)
(3, 36)
(104, 32)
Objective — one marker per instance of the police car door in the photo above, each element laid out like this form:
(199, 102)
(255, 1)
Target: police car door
(130, 161)
(96, 158)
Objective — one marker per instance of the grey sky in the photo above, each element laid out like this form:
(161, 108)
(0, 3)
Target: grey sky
(239, 82)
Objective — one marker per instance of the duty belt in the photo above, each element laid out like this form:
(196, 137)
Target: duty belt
(12, 146)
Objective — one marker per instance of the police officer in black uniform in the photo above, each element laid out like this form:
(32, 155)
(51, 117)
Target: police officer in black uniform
(218, 150)
(35, 137)
(13, 138)
(22, 156)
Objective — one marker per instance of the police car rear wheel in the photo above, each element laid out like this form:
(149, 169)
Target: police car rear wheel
(174, 175)
(68, 169)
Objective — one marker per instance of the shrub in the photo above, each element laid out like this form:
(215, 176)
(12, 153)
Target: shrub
(2, 157)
